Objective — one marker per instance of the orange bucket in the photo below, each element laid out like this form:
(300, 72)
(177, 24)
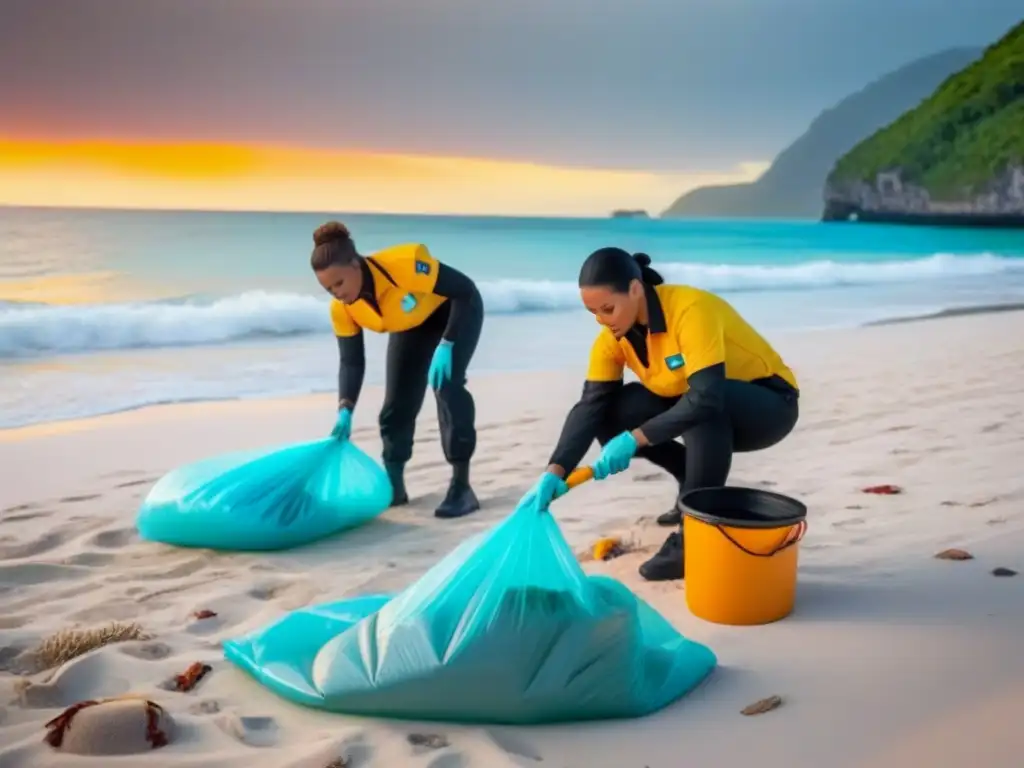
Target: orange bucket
(740, 549)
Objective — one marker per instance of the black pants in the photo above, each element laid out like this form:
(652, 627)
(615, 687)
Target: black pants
(754, 417)
(408, 361)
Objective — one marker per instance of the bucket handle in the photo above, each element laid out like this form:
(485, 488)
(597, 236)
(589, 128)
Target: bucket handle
(796, 533)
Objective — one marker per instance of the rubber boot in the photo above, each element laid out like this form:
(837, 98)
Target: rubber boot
(396, 474)
(667, 564)
(675, 515)
(460, 499)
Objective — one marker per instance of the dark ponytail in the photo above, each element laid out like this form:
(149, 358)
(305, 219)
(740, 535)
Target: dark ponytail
(648, 275)
(616, 269)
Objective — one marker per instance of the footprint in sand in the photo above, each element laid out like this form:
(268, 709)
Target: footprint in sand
(21, 508)
(38, 546)
(449, 760)
(848, 521)
(12, 621)
(267, 591)
(354, 753)
(204, 707)
(145, 651)
(254, 731)
(91, 559)
(27, 574)
(8, 654)
(113, 539)
(133, 483)
(21, 518)
(515, 745)
(179, 570)
(83, 497)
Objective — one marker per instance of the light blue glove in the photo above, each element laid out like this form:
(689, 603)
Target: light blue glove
(343, 426)
(441, 365)
(548, 488)
(615, 456)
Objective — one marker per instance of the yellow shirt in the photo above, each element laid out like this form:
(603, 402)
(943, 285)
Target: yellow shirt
(688, 330)
(406, 300)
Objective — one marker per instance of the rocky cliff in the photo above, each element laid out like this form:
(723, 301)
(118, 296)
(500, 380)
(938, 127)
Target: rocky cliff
(890, 198)
(792, 187)
(957, 158)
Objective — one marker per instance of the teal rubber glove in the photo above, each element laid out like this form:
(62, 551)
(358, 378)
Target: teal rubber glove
(343, 426)
(441, 365)
(615, 456)
(548, 488)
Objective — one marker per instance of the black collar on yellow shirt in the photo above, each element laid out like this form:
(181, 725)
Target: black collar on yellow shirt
(655, 312)
(369, 291)
(637, 335)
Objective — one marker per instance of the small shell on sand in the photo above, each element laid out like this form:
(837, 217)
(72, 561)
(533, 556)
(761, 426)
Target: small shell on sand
(954, 554)
(762, 706)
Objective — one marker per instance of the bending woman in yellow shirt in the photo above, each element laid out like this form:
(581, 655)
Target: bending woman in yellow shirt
(706, 376)
(433, 314)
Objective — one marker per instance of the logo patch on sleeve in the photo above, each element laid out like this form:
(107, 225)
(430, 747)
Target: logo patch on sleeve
(422, 267)
(674, 362)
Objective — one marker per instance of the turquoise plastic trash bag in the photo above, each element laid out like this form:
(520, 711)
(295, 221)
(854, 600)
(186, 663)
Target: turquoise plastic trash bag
(268, 499)
(505, 630)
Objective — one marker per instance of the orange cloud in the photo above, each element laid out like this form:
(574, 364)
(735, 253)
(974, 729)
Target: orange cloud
(247, 177)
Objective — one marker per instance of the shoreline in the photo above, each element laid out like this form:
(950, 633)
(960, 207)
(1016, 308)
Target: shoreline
(8, 433)
(978, 309)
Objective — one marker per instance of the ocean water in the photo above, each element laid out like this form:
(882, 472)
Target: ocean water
(102, 311)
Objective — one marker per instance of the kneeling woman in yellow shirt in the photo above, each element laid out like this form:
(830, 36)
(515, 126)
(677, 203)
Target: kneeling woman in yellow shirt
(433, 314)
(705, 375)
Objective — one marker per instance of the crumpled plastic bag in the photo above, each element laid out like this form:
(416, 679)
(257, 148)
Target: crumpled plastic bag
(266, 499)
(507, 629)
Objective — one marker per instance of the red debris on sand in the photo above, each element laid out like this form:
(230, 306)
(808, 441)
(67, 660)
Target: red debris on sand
(56, 727)
(154, 735)
(192, 675)
(883, 490)
(204, 614)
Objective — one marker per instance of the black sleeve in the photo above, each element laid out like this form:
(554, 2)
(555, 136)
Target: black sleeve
(581, 424)
(461, 292)
(351, 368)
(704, 400)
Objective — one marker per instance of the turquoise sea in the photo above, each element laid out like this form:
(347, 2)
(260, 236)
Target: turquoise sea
(102, 311)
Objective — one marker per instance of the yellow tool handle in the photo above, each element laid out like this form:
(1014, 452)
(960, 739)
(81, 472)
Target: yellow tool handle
(579, 476)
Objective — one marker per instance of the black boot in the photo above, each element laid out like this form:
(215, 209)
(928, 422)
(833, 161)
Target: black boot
(674, 516)
(396, 474)
(460, 499)
(668, 563)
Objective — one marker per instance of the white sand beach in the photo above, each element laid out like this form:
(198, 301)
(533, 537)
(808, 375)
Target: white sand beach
(891, 658)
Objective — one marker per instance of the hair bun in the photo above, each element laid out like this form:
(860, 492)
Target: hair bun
(642, 259)
(331, 232)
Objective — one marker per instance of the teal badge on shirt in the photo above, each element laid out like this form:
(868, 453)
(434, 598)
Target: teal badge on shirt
(674, 362)
(408, 303)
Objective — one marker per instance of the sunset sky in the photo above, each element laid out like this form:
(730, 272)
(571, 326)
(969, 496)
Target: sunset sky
(464, 106)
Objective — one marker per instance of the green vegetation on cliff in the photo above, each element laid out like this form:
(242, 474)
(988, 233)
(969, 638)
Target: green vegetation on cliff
(963, 136)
